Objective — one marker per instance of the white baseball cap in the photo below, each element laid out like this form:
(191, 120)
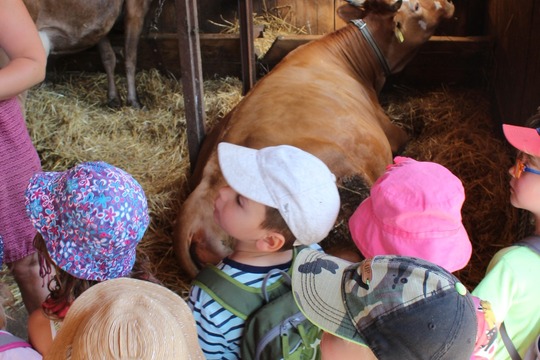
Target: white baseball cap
(289, 179)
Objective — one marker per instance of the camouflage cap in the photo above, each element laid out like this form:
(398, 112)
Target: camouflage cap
(401, 307)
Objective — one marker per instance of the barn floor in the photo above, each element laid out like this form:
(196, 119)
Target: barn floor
(69, 123)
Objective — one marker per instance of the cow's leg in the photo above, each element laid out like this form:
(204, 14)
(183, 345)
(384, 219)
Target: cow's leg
(108, 58)
(135, 12)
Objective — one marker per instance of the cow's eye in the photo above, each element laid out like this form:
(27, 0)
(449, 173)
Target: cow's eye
(417, 6)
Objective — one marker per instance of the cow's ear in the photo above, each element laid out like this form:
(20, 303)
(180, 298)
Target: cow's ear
(349, 12)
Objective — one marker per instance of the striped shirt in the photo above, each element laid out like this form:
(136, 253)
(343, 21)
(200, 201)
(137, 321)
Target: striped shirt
(219, 330)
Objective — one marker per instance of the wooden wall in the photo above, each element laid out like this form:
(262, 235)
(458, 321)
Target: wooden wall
(515, 27)
(461, 55)
(319, 16)
(315, 16)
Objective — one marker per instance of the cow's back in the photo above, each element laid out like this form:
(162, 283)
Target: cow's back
(319, 104)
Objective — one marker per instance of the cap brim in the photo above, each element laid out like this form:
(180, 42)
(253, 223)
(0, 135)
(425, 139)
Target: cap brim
(523, 138)
(317, 289)
(240, 168)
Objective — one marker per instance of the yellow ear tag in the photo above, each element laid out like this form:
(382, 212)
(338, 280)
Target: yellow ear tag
(399, 34)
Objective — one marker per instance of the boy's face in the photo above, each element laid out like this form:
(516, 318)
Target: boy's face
(333, 347)
(525, 190)
(239, 216)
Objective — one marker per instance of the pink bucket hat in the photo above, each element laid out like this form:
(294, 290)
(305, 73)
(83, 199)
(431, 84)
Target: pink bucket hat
(523, 138)
(414, 209)
(91, 217)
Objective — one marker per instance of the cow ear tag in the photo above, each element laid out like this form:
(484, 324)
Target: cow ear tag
(399, 34)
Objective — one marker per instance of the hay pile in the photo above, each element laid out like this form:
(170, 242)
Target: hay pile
(453, 127)
(69, 123)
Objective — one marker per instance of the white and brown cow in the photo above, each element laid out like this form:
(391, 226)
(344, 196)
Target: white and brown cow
(69, 26)
(323, 98)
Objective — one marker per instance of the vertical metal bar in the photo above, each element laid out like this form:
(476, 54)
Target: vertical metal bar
(245, 8)
(191, 70)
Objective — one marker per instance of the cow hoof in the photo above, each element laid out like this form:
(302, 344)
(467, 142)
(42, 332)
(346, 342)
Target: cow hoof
(114, 103)
(134, 104)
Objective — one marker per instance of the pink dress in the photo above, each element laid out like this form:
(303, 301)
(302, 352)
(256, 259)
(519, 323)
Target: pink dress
(18, 162)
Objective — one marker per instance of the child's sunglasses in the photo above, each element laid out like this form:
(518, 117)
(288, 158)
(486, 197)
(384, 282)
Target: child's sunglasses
(520, 167)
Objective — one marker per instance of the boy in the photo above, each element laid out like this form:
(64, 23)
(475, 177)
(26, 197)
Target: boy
(511, 281)
(387, 307)
(277, 196)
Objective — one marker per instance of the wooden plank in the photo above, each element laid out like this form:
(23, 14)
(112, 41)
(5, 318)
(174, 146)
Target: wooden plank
(247, 52)
(442, 59)
(338, 22)
(325, 17)
(448, 60)
(192, 80)
(283, 45)
(315, 16)
(531, 95)
(514, 34)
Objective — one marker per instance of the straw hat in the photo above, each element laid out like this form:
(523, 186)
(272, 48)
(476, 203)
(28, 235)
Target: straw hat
(127, 319)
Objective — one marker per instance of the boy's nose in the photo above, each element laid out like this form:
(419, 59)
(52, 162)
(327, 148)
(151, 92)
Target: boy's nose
(224, 192)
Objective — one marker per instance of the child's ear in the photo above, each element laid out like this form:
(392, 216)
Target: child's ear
(273, 241)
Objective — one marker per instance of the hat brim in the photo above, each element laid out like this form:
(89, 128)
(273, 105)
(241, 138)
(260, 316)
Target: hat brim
(450, 249)
(240, 168)
(317, 291)
(523, 138)
(41, 185)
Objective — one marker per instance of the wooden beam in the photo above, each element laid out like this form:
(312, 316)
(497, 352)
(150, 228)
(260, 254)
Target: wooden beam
(192, 80)
(247, 52)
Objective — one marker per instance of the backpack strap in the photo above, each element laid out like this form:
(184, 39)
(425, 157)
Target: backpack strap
(9, 341)
(514, 355)
(238, 298)
(532, 242)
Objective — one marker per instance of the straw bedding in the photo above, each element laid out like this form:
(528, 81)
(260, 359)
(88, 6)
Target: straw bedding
(69, 123)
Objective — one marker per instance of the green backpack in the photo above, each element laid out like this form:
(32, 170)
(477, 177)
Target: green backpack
(275, 328)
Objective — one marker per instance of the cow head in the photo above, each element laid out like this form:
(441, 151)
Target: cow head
(416, 20)
(399, 27)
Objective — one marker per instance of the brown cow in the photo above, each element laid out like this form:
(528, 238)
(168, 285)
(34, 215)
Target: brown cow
(323, 98)
(69, 26)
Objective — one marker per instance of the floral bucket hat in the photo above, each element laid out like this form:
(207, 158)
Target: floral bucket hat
(91, 217)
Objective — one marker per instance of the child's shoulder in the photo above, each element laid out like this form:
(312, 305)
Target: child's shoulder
(236, 275)
(516, 253)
